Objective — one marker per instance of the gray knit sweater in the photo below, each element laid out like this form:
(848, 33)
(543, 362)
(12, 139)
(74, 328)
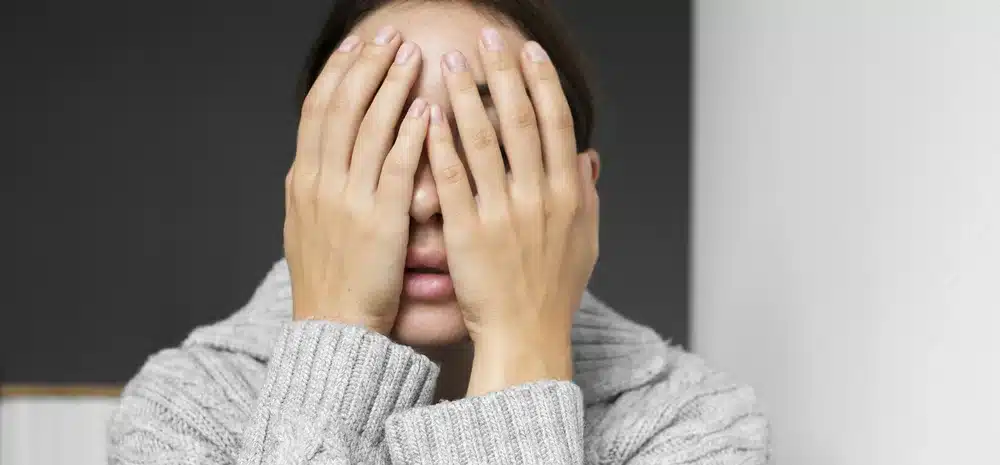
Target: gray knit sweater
(257, 388)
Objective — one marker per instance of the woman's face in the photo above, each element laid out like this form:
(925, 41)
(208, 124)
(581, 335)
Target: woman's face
(426, 317)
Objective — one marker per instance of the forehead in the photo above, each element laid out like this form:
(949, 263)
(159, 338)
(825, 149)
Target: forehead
(438, 28)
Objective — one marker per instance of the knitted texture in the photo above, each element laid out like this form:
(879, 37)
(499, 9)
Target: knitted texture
(258, 388)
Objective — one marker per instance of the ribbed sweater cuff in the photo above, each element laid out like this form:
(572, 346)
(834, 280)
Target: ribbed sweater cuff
(348, 374)
(534, 423)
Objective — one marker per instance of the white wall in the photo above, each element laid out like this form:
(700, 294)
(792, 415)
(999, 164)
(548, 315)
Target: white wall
(847, 222)
(54, 431)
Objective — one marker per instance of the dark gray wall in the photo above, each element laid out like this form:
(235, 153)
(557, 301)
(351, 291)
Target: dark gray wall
(146, 145)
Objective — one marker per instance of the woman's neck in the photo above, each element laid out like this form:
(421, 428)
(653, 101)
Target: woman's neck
(456, 366)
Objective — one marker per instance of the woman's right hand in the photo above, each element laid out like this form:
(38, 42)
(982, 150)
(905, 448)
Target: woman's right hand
(347, 194)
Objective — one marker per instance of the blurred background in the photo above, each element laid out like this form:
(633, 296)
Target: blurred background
(805, 193)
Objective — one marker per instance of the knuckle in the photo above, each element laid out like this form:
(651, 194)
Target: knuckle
(565, 197)
(353, 205)
(289, 180)
(527, 202)
(328, 197)
(453, 174)
(572, 207)
(347, 95)
(302, 190)
(523, 118)
(573, 204)
(354, 81)
(497, 218)
(340, 101)
(482, 138)
(561, 119)
(314, 104)
(394, 166)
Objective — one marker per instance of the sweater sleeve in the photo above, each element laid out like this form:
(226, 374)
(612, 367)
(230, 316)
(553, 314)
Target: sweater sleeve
(534, 423)
(328, 390)
(693, 416)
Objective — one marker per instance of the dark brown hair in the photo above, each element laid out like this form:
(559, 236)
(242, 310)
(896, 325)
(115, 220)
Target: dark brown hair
(536, 19)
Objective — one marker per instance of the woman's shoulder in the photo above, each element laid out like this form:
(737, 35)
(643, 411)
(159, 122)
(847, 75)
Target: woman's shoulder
(647, 397)
(614, 355)
(229, 356)
(195, 377)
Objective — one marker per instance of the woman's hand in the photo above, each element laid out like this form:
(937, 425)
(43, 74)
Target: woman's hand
(520, 252)
(349, 189)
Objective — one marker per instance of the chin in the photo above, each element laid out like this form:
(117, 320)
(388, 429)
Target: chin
(429, 324)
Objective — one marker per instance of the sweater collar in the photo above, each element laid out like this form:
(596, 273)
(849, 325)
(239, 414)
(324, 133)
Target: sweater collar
(611, 354)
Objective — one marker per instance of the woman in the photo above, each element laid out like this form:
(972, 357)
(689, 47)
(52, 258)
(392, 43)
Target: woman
(441, 226)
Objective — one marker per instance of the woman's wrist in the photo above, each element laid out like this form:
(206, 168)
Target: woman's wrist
(343, 315)
(506, 359)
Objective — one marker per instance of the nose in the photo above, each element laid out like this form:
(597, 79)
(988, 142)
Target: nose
(424, 206)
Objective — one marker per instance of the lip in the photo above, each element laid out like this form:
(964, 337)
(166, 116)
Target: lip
(426, 275)
(428, 287)
(427, 258)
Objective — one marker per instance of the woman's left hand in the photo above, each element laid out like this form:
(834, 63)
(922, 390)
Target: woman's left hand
(522, 248)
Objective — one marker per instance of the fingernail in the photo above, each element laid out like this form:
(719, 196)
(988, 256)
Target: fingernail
(417, 108)
(348, 44)
(492, 40)
(404, 52)
(385, 35)
(436, 115)
(535, 52)
(456, 61)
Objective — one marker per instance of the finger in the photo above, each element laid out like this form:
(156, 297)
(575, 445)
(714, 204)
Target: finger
(475, 131)
(454, 192)
(350, 101)
(518, 128)
(555, 120)
(307, 156)
(378, 128)
(395, 183)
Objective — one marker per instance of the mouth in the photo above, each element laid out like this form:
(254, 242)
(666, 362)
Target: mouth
(426, 277)
(426, 260)
(425, 270)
